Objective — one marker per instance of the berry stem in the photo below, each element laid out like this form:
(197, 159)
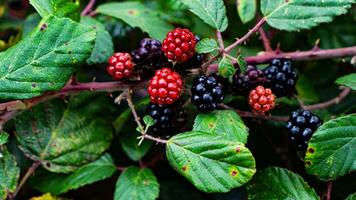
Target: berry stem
(328, 190)
(143, 130)
(343, 94)
(88, 8)
(220, 40)
(246, 36)
(24, 179)
(265, 40)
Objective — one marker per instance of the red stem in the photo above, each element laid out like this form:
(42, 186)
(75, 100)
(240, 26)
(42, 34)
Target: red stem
(265, 40)
(331, 102)
(328, 190)
(88, 8)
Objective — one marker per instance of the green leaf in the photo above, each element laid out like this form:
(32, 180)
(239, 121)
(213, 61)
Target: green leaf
(129, 143)
(294, 15)
(351, 197)
(137, 15)
(212, 12)
(104, 47)
(138, 184)
(148, 120)
(59, 8)
(226, 68)
(348, 81)
(9, 173)
(247, 10)
(100, 169)
(4, 138)
(306, 90)
(225, 123)
(242, 63)
(63, 138)
(211, 162)
(332, 149)
(206, 45)
(279, 183)
(45, 60)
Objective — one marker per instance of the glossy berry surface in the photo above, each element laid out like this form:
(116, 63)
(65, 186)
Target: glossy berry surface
(301, 125)
(207, 93)
(165, 87)
(261, 99)
(179, 45)
(120, 66)
(282, 77)
(149, 54)
(168, 118)
(244, 83)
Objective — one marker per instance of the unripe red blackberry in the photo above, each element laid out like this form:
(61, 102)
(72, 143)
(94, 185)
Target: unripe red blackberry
(244, 83)
(301, 125)
(120, 66)
(261, 99)
(179, 45)
(165, 87)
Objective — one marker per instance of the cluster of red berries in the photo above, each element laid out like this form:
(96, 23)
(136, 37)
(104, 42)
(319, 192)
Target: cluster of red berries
(261, 99)
(120, 66)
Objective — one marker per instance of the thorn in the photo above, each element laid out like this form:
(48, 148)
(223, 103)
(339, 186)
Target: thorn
(94, 79)
(121, 97)
(91, 89)
(110, 95)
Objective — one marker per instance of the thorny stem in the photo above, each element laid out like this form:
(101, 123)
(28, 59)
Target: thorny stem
(220, 40)
(328, 190)
(344, 93)
(265, 40)
(141, 127)
(24, 179)
(88, 8)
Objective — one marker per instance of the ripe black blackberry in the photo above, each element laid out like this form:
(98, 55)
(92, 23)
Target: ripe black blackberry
(167, 117)
(207, 93)
(149, 55)
(301, 125)
(282, 77)
(244, 83)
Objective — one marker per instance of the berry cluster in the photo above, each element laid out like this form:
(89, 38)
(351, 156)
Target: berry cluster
(244, 83)
(179, 45)
(207, 93)
(168, 118)
(165, 87)
(282, 77)
(302, 124)
(261, 99)
(149, 54)
(120, 66)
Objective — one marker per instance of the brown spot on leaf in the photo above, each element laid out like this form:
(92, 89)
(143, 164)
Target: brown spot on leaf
(132, 12)
(145, 182)
(307, 162)
(184, 168)
(238, 149)
(234, 173)
(34, 85)
(311, 150)
(43, 27)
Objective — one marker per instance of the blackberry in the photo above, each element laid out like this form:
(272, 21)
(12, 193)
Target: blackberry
(301, 125)
(149, 55)
(168, 119)
(207, 93)
(244, 83)
(282, 77)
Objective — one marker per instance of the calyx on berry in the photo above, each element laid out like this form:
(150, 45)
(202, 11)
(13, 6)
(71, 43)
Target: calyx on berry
(179, 45)
(120, 66)
(261, 99)
(165, 87)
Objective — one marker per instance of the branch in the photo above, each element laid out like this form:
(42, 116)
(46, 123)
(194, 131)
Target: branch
(247, 36)
(12, 108)
(265, 40)
(88, 8)
(24, 179)
(247, 114)
(344, 93)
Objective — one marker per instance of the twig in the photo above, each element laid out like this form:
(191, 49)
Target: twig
(88, 8)
(313, 54)
(326, 104)
(265, 40)
(328, 190)
(24, 179)
(255, 115)
(12, 108)
(247, 36)
(143, 130)
(220, 40)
